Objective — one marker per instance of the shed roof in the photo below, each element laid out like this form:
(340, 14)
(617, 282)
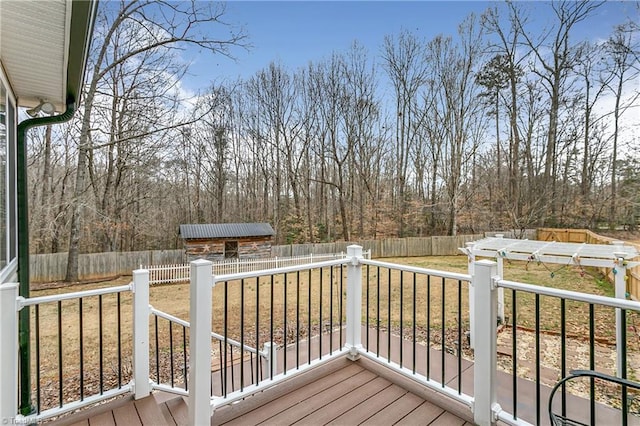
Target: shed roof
(225, 230)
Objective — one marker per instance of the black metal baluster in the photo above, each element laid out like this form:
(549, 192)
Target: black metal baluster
(100, 344)
(309, 321)
(225, 339)
(514, 345)
(171, 351)
(443, 335)
(241, 335)
(119, 340)
(284, 326)
(223, 373)
(428, 326)
(378, 314)
(592, 364)
(157, 350)
(389, 315)
(367, 309)
(297, 320)
(401, 314)
(340, 304)
(415, 302)
(60, 390)
(81, 347)
(321, 325)
(185, 373)
(623, 366)
(563, 353)
(538, 396)
(258, 360)
(459, 337)
(38, 396)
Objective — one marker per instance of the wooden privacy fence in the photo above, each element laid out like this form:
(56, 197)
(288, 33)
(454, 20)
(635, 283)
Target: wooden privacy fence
(52, 267)
(589, 237)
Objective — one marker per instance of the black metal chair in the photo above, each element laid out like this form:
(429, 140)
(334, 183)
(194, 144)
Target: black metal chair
(557, 419)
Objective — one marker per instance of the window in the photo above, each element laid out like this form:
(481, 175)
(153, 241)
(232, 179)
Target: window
(8, 193)
(230, 249)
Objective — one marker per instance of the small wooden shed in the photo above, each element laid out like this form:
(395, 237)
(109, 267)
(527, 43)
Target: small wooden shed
(219, 241)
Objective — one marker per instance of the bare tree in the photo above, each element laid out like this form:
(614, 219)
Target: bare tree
(155, 29)
(554, 70)
(622, 49)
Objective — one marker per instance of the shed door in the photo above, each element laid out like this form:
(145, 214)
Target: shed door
(230, 249)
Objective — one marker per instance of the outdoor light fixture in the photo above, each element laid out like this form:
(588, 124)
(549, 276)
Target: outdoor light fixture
(44, 106)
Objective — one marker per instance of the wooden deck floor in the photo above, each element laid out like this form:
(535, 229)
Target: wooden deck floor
(341, 393)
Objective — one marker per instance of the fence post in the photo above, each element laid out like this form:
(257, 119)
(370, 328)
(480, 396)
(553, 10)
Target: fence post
(9, 353)
(271, 355)
(141, 333)
(354, 301)
(200, 290)
(619, 278)
(485, 406)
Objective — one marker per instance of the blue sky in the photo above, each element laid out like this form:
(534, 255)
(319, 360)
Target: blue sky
(296, 32)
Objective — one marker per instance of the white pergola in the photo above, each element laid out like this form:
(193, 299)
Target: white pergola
(617, 256)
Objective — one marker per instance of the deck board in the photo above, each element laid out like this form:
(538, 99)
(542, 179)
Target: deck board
(127, 415)
(425, 413)
(365, 409)
(342, 405)
(396, 411)
(178, 410)
(103, 419)
(319, 400)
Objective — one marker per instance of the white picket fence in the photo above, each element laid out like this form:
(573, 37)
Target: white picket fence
(180, 272)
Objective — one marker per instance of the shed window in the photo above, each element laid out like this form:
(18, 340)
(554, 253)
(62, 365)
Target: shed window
(230, 249)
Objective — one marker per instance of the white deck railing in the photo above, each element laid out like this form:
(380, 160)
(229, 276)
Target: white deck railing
(484, 406)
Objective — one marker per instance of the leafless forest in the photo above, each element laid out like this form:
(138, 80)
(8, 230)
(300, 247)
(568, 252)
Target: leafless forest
(504, 124)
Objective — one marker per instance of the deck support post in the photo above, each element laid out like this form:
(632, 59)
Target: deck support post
(200, 291)
(140, 289)
(9, 353)
(354, 301)
(485, 406)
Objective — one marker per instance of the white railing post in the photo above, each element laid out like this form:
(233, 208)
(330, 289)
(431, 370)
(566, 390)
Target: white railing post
(201, 288)
(619, 274)
(141, 384)
(472, 261)
(485, 406)
(9, 353)
(271, 355)
(354, 301)
(500, 290)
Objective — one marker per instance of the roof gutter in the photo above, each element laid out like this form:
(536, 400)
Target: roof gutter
(23, 241)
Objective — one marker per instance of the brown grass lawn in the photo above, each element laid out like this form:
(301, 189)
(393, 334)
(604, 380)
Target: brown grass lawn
(174, 299)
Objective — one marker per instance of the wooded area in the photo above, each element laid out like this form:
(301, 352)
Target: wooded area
(509, 124)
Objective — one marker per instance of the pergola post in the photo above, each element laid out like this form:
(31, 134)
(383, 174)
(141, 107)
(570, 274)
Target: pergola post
(619, 274)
